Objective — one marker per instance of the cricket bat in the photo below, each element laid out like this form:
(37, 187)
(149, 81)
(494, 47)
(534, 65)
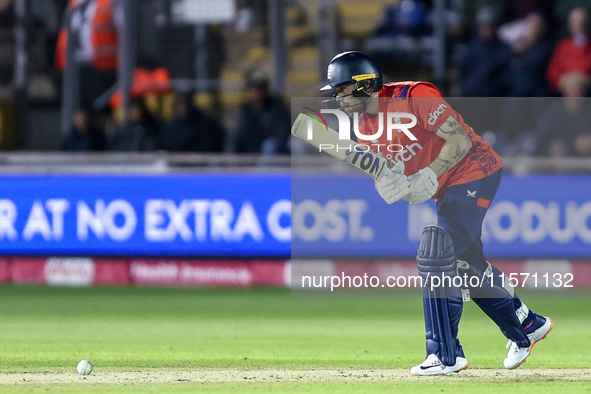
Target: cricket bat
(327, 140)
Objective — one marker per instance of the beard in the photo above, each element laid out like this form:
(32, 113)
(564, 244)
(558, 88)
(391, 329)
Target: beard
(359, 107)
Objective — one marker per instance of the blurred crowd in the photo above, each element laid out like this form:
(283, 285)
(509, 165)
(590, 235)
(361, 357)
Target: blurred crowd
(166, 111)
(530, 61)
(523, 60)
(263, 127)
(523, 51)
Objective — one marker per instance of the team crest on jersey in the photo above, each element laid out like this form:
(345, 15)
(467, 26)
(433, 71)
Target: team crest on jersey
(399, 93)
(485, 159)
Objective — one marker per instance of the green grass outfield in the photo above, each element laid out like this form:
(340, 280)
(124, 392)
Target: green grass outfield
(46, 331)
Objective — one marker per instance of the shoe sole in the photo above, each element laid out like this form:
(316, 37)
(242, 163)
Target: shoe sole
(534, 344)
(443, 373)
(462, 369)
(433, 374)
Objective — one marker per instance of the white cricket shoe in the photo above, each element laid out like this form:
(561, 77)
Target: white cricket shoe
(517, 355)
(460, 365)
(432, 366)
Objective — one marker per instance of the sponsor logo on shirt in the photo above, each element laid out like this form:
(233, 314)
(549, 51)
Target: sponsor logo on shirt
(433, 116)
(406, 154)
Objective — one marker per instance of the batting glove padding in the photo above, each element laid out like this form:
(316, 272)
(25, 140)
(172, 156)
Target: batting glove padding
(393, 185)
(423, 186)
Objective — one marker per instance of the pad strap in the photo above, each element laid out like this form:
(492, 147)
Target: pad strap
(522, 312)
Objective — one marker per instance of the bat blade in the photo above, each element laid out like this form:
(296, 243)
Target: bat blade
(327, 140)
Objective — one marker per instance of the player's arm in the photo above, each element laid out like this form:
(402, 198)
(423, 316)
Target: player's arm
(424, 184)
(457, 145)
(421, 186)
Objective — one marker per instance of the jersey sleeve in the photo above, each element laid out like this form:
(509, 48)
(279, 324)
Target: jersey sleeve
(429, 107)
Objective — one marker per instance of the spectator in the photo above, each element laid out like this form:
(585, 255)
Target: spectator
(564, 8)
(469, 11)
(407, 17)
(140, 133)
(565, 129)
(572, 53)
(190, 130)
(483, 67)
(263, 122)
(397, 36)
(90, 27)
(527, 75)
(526, 78)
(83, 136)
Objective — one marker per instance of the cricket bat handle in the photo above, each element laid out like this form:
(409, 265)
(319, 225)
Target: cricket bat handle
(327, 140)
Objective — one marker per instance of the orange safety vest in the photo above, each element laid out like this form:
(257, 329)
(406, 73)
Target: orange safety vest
(61, 50)
(145, 82)
(104, 38)
(61, 58)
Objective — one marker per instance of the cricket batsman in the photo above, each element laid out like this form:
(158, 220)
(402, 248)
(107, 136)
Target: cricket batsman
(450, 163)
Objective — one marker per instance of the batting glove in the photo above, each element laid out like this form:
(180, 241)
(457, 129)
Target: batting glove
(393, 185)
(423, 186)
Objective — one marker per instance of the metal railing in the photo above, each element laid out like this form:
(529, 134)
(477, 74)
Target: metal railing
(164, 163)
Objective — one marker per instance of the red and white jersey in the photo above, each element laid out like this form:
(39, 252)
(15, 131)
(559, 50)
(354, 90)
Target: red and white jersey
(423, 100)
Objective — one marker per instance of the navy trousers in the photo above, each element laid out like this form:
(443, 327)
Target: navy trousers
(461, 212)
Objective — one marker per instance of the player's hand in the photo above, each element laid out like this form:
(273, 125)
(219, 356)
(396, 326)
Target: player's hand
(423, 186)
(393, 184)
